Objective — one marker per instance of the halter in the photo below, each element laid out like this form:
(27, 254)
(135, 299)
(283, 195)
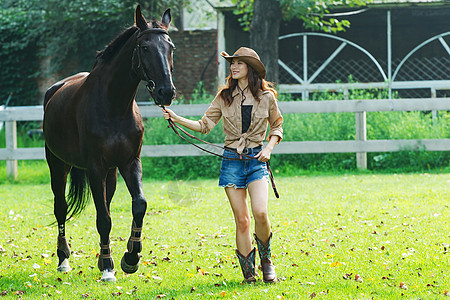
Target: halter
(150, 83)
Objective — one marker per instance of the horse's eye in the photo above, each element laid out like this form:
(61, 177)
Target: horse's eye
(145, 48)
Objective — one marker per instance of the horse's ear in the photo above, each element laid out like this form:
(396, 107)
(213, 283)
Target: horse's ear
(166, 18)
(139, 19)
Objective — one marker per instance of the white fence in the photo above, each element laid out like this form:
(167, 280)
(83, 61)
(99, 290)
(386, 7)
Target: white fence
(360, 145)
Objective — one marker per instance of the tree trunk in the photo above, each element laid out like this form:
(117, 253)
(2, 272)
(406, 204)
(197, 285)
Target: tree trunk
(264, 31)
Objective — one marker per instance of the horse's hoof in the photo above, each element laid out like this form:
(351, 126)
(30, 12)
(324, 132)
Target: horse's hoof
(108, 276)
(129, 269)
(64, 266)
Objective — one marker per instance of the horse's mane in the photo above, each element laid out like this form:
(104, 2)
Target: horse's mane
(111, 49)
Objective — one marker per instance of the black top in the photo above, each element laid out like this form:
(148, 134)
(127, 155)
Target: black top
(246, 112)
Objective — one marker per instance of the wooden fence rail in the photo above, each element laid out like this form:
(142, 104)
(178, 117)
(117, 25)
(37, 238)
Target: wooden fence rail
(360, 145)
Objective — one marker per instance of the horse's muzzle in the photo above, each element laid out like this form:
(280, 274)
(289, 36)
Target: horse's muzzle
(164, 95)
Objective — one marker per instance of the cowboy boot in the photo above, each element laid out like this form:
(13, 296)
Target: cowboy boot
(247, 265)
(268, 268)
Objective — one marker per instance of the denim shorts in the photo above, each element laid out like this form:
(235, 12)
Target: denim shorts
(239, 173)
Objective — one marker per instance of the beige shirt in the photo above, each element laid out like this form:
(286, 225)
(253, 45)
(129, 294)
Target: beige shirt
(264, 112)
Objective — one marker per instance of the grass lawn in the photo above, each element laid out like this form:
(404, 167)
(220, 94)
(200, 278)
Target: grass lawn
(335, 237)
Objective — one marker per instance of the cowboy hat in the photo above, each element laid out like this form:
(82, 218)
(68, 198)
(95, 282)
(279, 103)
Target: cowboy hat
(250, 57)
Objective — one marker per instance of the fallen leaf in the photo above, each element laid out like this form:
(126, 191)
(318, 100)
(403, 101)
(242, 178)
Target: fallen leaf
(358, 278)
(335, 264)
(223, 293)
(446, 293)
(403, 286)
(160, 296)
(313, 295)
(192, 289)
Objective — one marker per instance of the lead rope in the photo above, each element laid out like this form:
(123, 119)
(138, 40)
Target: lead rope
(175, 127)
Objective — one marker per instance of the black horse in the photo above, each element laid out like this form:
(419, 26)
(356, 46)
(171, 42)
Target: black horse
(92, 127)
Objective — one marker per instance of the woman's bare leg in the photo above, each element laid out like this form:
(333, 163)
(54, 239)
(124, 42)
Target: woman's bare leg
(238, 202)
(258, 191)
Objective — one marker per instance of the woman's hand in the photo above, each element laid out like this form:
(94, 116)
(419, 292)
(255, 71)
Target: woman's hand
(169, 114)
(264, 155)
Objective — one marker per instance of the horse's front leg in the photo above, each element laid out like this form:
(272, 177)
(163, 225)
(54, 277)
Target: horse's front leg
(132, 174)
(97, 181)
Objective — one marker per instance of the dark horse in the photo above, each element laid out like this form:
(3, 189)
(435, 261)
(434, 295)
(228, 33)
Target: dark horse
(92, 127)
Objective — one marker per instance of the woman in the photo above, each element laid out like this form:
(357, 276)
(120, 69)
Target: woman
(247, 103)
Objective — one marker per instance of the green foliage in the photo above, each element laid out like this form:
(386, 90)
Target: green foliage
(244, 9)
(387, 229)
(19, 34)
(311, 12)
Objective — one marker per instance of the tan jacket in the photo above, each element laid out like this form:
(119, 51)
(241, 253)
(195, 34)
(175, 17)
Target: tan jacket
(263, 112)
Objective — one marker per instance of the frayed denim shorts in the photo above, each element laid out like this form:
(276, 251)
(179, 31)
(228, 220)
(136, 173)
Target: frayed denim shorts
(239, 173)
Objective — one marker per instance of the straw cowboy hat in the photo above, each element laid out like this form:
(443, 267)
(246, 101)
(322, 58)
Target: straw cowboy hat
(250, 57)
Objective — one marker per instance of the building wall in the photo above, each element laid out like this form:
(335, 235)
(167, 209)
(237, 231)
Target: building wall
(195, 60)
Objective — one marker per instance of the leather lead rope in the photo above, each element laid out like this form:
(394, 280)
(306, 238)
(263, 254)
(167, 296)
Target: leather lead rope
(247, 157)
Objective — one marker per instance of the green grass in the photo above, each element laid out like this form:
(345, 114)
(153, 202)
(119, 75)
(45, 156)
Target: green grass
(387, 228)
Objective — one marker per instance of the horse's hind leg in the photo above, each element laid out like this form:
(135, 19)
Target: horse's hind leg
(132, 175)
(58, 174)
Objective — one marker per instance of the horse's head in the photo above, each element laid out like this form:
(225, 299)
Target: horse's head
(153, 57)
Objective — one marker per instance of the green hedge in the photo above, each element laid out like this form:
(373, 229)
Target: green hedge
(300, 127)
(315, 127)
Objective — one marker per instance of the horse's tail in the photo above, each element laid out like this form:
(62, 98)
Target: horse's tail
(79, 192)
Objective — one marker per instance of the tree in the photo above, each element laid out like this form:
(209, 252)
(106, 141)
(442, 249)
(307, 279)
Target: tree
(262, 19)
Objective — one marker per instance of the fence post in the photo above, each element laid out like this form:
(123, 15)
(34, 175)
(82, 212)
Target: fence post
(361, 135)
(11, 144)
(434, 113)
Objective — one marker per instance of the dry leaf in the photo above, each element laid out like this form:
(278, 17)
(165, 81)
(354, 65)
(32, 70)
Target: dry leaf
(403, 286)
(358, 278)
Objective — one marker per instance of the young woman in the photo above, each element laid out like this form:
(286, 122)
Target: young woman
(247, 104)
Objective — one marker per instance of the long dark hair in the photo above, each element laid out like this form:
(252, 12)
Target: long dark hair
(255, 83)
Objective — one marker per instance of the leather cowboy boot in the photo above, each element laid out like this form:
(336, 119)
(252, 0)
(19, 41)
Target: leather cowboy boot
(247, 265)
(268, 268)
